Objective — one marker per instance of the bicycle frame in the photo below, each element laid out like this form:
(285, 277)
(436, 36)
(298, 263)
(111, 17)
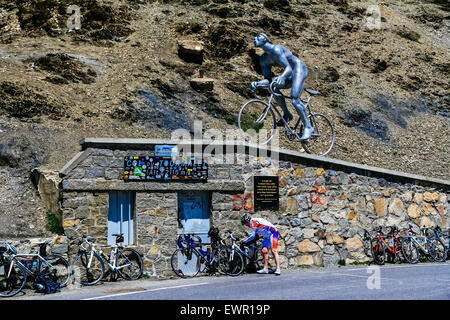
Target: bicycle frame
(254, 247)
(198, 249)
(418, 244)
(292, 130)
(388, 241)
(41, 260)
(100, 253)
(443, 239)
(392, 247)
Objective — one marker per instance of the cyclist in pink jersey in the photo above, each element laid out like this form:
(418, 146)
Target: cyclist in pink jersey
(270, 233)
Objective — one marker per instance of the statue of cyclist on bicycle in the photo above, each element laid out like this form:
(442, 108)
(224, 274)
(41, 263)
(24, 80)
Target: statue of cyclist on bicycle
(294, 76)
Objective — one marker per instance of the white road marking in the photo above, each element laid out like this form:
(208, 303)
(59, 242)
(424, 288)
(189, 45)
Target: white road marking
(367, 276)
(434, 264)
(143, 291)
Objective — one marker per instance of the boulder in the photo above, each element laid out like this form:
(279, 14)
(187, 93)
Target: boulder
(431, 196)
(381, 206)
(427, 209)
(413, 211)
(305, 260)
(307, 246)
(353, 244)
(396, 207)
(202, 84)
(191, 51)
(334, 239)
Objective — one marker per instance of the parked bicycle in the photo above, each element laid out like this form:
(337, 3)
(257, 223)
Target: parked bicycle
(439, 245)
(88, 268)
(15, 267)
(385, 246)
(257, 114)
(192, 256)
(251, 252)
(416, 245)
(444, 239)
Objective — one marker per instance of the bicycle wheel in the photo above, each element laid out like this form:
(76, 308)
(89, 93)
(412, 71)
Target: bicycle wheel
(322, 140)
(378, 252)
(230, 261)
(257, 122)
(129, 264)
(438, 251)
(12, 280)
(88, 268)
(185, 263)
(58, 270)
(409, 250)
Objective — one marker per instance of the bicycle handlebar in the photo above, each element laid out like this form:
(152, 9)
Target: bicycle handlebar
(411, 229)
(9, 248)
(231, 235)
(272, 89)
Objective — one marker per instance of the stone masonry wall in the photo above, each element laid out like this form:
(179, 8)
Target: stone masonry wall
(323, 213)
(85, 198)
(156, 215)
(85, 213)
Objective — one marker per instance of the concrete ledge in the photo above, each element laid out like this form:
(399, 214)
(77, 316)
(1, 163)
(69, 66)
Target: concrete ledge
(283, 154)
(81, 156)
(108, 185)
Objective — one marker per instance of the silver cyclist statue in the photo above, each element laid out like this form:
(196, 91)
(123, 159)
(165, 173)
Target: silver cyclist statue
(294, 76)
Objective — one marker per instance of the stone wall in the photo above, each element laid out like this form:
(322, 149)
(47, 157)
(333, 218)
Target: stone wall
(85, 198)
(156, 215)
(323, 213)
(85, 213)
(325, 204)
(56, 244)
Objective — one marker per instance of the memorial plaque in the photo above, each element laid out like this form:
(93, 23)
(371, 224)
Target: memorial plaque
(149, 168)
(266, 192)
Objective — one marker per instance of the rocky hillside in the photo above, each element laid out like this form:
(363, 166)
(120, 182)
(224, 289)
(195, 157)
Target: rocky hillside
(384, 79)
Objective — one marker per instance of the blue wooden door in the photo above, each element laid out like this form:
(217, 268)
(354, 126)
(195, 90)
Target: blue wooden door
(194, 213)
(121, 216)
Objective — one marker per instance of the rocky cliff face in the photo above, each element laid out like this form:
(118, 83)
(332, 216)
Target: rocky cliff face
(382, 69)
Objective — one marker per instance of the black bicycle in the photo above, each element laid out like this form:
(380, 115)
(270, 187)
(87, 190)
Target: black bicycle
(250, 251)
(444, 241)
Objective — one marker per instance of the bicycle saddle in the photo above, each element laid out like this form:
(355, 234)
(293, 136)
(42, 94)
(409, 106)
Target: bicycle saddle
(119, 237)
(312, 92)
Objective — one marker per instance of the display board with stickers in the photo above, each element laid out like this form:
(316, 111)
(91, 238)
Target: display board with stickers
(151, 168)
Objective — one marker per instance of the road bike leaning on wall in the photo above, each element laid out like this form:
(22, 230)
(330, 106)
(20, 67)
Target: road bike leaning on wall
(443, 239)
(437, 245)
(251, 252)
(88, 268)
(15, 267)
(416, 245)
(257, 115)
(385, 247)
(192, 256)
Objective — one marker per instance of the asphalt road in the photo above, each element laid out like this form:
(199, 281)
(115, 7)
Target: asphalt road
(423, 281)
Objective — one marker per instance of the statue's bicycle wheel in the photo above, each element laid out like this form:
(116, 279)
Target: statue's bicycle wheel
(257, 122)
(322, 139)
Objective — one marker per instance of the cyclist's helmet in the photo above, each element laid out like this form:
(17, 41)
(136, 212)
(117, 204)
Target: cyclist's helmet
(245, 218)
(264, 36)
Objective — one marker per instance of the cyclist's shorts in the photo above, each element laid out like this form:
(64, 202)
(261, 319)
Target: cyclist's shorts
(272, 241)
